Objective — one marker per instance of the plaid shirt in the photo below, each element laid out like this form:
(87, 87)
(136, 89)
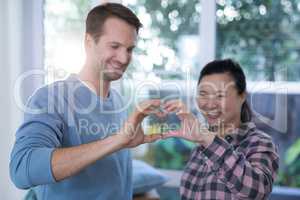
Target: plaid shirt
(241, 166)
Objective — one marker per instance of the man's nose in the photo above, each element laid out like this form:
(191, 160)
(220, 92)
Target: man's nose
(123, 57)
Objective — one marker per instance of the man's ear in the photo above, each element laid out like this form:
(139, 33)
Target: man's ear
(88, 41)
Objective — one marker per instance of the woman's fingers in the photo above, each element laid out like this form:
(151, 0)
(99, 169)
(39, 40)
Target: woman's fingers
(148, 107)
(169, 134)
(176, 106)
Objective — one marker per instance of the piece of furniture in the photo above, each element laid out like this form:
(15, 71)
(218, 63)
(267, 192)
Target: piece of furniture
(145, 177)
(151, 195)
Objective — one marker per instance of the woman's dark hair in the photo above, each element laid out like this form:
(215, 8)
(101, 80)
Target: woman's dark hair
(235, 71)
(97, 16)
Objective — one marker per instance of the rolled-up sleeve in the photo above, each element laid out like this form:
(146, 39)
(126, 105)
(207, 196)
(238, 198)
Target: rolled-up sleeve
(36, 139)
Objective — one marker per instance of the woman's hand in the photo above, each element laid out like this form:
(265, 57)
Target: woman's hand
(191, 129)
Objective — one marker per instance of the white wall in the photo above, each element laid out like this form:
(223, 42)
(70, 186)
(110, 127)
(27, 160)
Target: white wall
(10, 116)
(21, 49)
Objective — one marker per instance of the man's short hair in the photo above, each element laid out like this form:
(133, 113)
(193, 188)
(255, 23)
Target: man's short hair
(97, 16)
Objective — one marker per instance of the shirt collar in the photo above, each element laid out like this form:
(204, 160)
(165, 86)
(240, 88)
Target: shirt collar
(239, 133)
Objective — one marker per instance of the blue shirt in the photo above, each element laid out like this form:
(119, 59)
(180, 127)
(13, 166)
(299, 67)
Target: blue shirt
(65, 114)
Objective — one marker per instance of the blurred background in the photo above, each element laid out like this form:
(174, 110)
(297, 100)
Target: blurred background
(42, 41)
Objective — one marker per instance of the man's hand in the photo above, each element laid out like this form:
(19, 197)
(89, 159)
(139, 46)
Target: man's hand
(191, 129)
(132, 133)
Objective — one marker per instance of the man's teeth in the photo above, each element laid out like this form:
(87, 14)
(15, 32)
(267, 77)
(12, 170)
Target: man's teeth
(213, 114)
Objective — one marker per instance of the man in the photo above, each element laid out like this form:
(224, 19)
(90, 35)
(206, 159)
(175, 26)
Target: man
(74, 141)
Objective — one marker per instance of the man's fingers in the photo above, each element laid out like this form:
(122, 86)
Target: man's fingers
(172, 108)
(149, 106)
(151, 103)
(152, 138)
(171, 104)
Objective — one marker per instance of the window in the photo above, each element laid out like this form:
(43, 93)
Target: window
(64, 34)
(168, 42)
(262, 35)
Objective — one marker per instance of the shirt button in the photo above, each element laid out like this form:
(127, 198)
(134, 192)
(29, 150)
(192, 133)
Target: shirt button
(215, 168)
(219, 174)
(228, 138)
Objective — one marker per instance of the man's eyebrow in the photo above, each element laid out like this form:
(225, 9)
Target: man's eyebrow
(114, 42)
(118, 43)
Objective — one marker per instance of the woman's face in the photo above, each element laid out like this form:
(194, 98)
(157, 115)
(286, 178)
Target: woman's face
(219, 101)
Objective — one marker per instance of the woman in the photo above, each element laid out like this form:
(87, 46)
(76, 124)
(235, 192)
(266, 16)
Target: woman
(234, 160)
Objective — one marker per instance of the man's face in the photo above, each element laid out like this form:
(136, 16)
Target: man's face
(112, 53)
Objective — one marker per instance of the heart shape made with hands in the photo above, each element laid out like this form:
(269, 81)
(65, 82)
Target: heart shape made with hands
(163, 119)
